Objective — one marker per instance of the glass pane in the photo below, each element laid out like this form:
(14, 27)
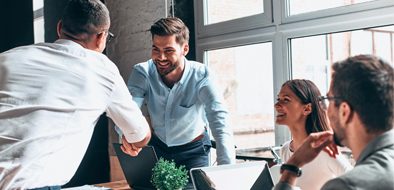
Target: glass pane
(224, 10)
(303, 6)
(38, 22)
(244, 76)
(39, 30)
(312, 57)
(38, 4)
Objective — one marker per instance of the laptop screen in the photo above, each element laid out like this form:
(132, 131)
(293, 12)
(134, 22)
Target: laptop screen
(138, 169)
(248, 175)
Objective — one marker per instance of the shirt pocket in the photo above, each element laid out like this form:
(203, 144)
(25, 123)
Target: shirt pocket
(185, 115)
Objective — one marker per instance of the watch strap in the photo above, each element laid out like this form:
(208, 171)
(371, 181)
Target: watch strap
(296, 170)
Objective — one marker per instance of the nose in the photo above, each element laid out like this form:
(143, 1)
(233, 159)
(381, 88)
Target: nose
(277, 105)
(162, 56)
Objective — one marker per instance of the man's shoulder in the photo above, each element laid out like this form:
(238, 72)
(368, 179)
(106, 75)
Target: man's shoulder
(145, 66)
(19, 49)
(196, 65)
(364, 176)
(198, 69)
(357, 177)
(338, 183)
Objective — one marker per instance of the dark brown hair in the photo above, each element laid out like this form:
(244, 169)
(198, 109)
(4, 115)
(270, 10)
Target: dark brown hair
(366, 83)
(171, 26)
(308, 92)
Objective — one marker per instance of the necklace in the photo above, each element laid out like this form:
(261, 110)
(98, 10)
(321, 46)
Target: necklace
(291, 146)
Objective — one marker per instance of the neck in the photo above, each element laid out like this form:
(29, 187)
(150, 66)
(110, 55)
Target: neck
(298, 135)
(86, 43)
(359, 141)
(171, 78)
(356, 136)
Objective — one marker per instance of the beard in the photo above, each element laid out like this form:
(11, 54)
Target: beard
(337, 129)
(337, 141)
(165, 71)
(338, 132)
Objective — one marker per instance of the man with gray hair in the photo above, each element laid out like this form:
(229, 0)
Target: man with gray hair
(51, 96)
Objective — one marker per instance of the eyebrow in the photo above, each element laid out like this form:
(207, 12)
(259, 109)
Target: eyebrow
(285, 95)
(166, 48)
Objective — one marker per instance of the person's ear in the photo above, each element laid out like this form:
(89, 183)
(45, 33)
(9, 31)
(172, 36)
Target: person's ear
(185, 49)
(100, 41)
(345, 113)
(307, 109)
(59, 28)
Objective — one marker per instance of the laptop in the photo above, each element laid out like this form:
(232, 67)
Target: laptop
(248, 175)
(138, 169)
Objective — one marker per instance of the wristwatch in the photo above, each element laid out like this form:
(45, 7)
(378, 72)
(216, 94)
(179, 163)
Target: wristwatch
(296, 170)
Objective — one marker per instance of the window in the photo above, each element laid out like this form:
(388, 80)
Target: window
(246, 83)
(38, 11)
(312, 57)
(304, 42)
(226, 16)
(224, 10)
(299, 6)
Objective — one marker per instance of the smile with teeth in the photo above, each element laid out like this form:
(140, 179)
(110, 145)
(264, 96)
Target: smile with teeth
(280, 115)
(163, 64)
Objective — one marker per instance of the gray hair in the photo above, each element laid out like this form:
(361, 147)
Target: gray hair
(85, 17)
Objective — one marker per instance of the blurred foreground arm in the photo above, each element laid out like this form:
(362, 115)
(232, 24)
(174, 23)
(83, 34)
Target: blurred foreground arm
(312, 146)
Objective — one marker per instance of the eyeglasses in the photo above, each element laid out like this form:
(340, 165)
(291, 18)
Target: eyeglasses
(325, 100)
(110, 36)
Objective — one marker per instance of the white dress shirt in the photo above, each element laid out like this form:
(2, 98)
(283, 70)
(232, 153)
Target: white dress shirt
(51, 96)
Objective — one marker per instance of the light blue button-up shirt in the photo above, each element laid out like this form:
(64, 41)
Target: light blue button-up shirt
(178, 114)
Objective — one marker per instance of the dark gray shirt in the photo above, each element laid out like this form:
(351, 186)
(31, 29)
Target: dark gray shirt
(373, 170)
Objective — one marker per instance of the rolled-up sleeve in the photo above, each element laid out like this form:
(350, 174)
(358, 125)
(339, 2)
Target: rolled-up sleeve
(126, 114)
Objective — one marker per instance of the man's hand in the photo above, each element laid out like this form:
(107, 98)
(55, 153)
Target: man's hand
(310, 148)
(129, 148)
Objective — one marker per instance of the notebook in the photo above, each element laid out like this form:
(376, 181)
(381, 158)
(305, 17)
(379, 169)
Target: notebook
(138, 169)
(249, 175)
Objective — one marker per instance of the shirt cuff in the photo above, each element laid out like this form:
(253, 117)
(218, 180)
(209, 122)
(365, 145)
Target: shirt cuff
(283, 186)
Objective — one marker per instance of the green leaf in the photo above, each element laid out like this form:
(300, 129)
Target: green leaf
(167, 176)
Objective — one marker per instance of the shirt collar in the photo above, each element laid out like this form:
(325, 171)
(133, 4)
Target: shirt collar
(185, 71)
(68, 43)
(382, 141)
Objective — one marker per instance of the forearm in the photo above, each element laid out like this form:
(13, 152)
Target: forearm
(225, 149)
(143, 142)
(289, 178)
(283, 186)
(308, 151)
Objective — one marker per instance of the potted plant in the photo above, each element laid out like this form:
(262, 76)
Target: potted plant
(167, 176)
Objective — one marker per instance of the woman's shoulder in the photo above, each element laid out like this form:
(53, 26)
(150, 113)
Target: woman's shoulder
(285, 152)
(338, 165)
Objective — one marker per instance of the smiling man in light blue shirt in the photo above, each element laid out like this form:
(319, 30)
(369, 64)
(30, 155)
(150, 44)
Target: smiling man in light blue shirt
(180, 98)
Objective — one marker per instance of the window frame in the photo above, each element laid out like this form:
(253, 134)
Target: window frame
(284, 28)
(332, 11)
(235, 25)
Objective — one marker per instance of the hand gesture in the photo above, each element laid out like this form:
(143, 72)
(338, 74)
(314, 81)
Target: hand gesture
(312, 146)
(129, 148)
